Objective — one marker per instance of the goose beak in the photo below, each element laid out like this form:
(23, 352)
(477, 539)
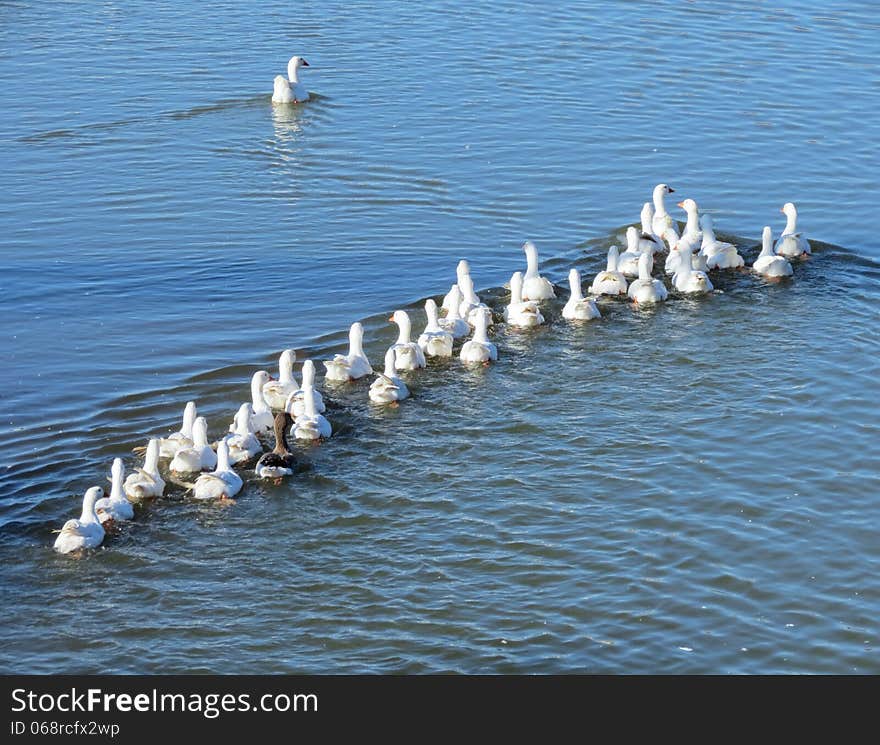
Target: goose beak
(391, 319)
(681, 204)
(670, 189)
(304, 63)
(782, 210)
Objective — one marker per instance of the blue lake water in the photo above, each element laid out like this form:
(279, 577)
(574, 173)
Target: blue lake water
(690, 490)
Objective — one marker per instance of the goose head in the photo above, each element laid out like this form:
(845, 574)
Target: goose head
(401, 318)
(308, 375)
(632, 239)
(431, 313)
(463, 269)
(285, 366)
(294, 65)
(789, 210)
(660, 191)
(92, 495)
(259, 379)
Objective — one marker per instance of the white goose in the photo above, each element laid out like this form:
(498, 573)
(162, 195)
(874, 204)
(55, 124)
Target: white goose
(290, 90)
(87, 531)
(688, 280)
(295, 403)
(471, 305)
(454, 323)
(168, 446)
(310, 425)
(262, 418)
(663, 224)
(116, 508)
(770, 264)
(479, 348)
(691, 236)
(649, 240)
(521, 313)
(434, 341)
(463, 269)
(222, 482)
(646, 290)
(719, 254)
(146, 483)
(242, 443)
(199, 457)
(407, 354)
(275, 392)
(791, 243)
(611, 281)
(579, 308)
(351, 366)
(388, 388)
(628, 261)
(535, 287)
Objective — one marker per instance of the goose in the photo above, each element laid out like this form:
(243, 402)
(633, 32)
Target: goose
(628, 261)
(116, 508)
(689, 280)
(168, 446)
(479, 348)
(521, 313)
(407, 354)
(674, 257)
(295, 403)
(463, 269)
(663, 224)
(242, 444)
(719, 254)
(649, 240)
(454, 323)
(310, 425)
(87, 531)
(691, 236)
(434, 341)
(351, 366)
(388, 388)
(222, 482)
(262, 419)
(770, 264)
(146, 482)
(791, 243)
(579, 308)
(535, 287)
(275, 392)
(199, 457)
(280, 462)
(611, 281)
(290, 90)
(646, 290)
(471, 305)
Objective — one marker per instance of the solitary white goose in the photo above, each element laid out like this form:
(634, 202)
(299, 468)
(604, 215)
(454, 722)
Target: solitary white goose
(116, 508)
(146, 482)
(611, 281)
(242, 444)
(310, 425)
(579, 308)
(628, 261)
(521, 313)
(353, 365)
(407, 354)
(275, 392)
(295, 403)
(434, 341)
(649, 240)
(471, 305)
(199, 457)
(646, 290)
(461, 270)
(791, 243)
(222, 482)
(687, 279)
(168, 446)
(479, 348)
(280, 462)
(291, 90)
(719, 254)
(454, 323)
(769, 263)
(535, 287)
(87, 531)
(388, 388)
(663, 224)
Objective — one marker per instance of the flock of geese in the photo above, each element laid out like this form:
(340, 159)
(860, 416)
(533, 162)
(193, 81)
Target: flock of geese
(283, 407)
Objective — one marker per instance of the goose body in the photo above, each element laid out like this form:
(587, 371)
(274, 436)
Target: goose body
(646, 290)
(719, 254)
(290, 89)
(579, 308)
(792, 243)
(688, 280)
(769, 263)
(168, 446)
(222, 482)
(521, 313)
(535, 287)
(663, 224)
(649, 240)
(199, 457)
(479, 348)
(407, 354)
(351, 366)
(296, 402)
(280, 462)
(310, 425)
(146, 483)
(242, 444)
(611, 281)
(116, 508)
(85, 532)
(388, 388)
(628, 261)
(454, 323)
(275, 392)
(434, 341)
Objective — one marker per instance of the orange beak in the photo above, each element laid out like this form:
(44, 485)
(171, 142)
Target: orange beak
(782, 210)
(391, 319)
(681, 204)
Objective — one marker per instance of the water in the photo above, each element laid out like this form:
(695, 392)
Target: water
(691, 489)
